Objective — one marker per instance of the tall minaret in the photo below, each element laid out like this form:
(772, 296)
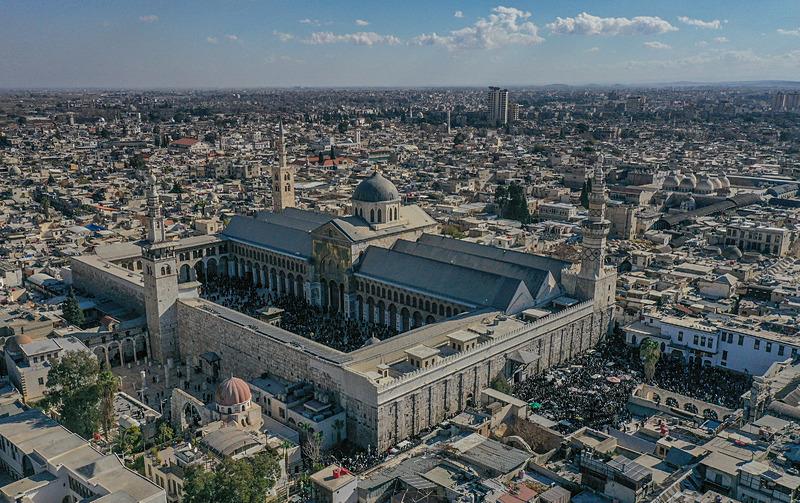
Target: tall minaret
(282, 179)
(593, 280)
(155, 220)
(160, 281)
(595, 228)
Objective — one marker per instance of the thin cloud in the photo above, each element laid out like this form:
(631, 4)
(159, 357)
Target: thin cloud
(505, 26)
(721, 40)
(714, 24)
(367, 38)
(593, 49)
(283, 36)
(150, 18)
(232, 38)
(587, 24)
(459, 14)
(282, 59)
(791, 33)
(362, 22)
(309, 21)
(657, 45)
(212, 40)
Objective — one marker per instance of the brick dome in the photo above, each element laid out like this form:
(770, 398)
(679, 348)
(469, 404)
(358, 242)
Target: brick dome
(232, 391)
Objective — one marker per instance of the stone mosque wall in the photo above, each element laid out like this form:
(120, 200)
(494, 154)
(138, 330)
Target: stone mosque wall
(381, 416)
(93, 276)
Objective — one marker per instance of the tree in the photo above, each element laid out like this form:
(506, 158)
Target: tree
(74, 392)
(246, 480)
(311, 445)
(649, 353)
(71, 310)
(165, 433)
(128, 441)
(108, 386)
(51, 180)
(176, 188)
(514, 204)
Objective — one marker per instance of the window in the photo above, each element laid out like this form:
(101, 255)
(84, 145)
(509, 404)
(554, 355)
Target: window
(781, 349)
(41, 381)
(756, 344)
(680, 333)
(703, 341)
(696, 339)
(769, 347)
(724, 355)
(741, 340)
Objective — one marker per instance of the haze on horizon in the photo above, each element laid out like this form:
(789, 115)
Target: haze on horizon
(241, 43)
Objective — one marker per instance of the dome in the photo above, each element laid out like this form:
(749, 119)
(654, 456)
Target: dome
(232, 391)
(15, 171)
(376, 189)
(726, 184)
(716, 183)
(704, 186)
(671, 182)
(687, 184)
(692, 177)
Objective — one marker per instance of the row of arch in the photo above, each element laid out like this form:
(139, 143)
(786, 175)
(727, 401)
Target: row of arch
(380, 312)
(120, 352)
(262, 276)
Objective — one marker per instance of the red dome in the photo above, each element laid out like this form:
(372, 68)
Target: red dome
(232, 391)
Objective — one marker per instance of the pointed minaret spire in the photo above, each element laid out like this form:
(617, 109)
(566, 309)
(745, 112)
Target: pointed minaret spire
(155, 219)
(282, 178)
(282, 146)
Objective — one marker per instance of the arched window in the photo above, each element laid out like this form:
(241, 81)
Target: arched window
(379, 215)
(288, 187)
(286, 176)
(371, 215)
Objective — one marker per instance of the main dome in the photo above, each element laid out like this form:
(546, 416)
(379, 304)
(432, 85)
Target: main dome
(232, 391)
(376, 189)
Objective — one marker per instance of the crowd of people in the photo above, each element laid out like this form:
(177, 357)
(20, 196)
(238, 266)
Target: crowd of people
(330, 329)
(593, 389)
(299, 316)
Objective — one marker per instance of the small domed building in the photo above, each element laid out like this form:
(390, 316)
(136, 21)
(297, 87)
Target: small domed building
(233, 403)
(377, 201)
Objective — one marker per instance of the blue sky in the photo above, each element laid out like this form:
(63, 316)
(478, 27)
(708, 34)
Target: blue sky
(251, 43)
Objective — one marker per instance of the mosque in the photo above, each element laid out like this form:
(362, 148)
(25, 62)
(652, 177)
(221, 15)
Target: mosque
(467, 313)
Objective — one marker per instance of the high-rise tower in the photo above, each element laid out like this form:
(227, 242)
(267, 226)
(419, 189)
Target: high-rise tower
(160, 278)
(498, 106)
(282, 179)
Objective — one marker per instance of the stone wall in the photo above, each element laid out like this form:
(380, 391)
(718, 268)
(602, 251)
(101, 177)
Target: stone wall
(424, 400)
(92, 276)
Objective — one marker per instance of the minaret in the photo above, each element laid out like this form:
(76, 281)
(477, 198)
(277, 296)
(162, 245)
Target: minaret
(595, 228)
(282, 179)
(155, 220)
(593, 280)
(160, 280)
(448, 121)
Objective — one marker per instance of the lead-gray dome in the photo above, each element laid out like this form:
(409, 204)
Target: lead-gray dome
(376, 189)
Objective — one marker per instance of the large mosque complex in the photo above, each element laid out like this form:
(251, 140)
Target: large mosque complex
(466, 313)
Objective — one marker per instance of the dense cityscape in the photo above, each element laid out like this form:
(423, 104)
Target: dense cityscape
(360, 294)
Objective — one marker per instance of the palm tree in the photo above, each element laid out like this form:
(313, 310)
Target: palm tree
(650, 353)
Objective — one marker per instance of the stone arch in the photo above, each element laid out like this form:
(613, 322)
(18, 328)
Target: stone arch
(690, 407)
(273, 279)
(430, 319)
(190, 416)
(102, 355)
(710, 414)
(212, 268)
(200, 271)
(404, 317)
(282, 282)
(333, 295)
(299, 286)
(671, 402)
(417, 318)
(185, 273)
(393, 316)
(128, 350)
(223, 265)
(370, 310)
(114, 354)
(292, 284)
(360, 307)
(381, 313)
(448, 311)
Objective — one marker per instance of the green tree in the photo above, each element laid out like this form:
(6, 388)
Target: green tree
(71, 310)
(51, 179)
(128, 441)
(74, 392)
(516, 207)
(176, 188)
(246, 480)
(165, 433)
(649, 353)
(108, 385)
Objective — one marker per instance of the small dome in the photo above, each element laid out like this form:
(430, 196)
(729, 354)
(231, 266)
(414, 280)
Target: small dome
(232, 391)
(15, 171)
(687, 184)
(376, 189)
(671, 182)
(716, 183)
(704, 186)
(726, 184)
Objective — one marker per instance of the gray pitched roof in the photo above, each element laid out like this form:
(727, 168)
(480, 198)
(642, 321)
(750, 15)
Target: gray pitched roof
(532, 276)
(271, 235)
(529, 260)
(473, 287)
